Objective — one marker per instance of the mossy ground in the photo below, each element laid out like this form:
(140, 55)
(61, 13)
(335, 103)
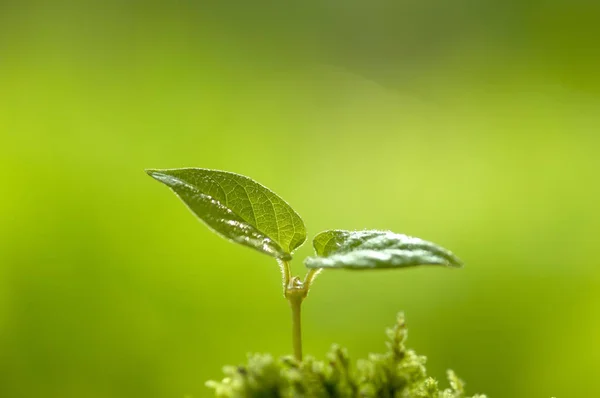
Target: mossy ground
(397, 373)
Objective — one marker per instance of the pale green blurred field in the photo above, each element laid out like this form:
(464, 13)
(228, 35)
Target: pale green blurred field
(486, 143)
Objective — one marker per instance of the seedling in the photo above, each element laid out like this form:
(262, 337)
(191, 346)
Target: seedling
(248, 213)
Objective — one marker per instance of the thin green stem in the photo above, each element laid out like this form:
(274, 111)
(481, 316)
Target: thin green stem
(310, 277)
(295, 291)
(286, 274)
(296, 305)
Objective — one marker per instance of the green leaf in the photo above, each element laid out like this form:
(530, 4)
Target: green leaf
(376, 249)
(238, 209)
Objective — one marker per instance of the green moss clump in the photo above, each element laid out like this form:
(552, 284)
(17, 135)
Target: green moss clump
(397, 373)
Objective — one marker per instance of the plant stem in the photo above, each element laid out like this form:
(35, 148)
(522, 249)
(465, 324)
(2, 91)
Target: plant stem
(295, 292)
(286, 274)
(296, 305)
(310, 277)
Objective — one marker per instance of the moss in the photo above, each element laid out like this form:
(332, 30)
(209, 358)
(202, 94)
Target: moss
(397, 373)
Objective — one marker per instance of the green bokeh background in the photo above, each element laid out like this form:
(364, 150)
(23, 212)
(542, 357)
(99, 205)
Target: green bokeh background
(474, 125)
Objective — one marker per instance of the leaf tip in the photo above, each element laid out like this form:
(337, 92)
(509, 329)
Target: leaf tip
(455, 262)
(158, 175)
(151, 172)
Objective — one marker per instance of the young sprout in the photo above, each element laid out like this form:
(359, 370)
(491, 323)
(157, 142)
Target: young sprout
(248, 213)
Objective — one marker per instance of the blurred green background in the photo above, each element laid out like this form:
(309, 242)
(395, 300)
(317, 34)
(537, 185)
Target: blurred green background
(471, 124)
